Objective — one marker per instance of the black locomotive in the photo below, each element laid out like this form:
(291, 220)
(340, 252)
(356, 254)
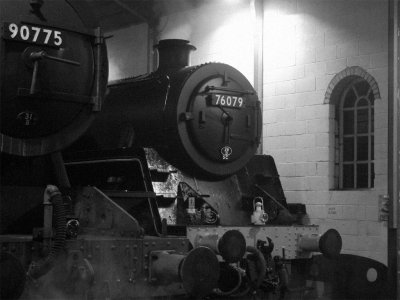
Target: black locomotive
(155, 191)
(203, 119)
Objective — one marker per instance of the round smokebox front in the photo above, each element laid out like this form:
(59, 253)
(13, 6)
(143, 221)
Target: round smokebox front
(219, 119)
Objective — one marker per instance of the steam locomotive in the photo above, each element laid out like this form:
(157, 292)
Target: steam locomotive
(151, 191)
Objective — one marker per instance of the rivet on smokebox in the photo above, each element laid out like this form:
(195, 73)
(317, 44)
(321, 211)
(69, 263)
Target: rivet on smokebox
(135, 258)
(97, 247)
(153, 243)
(146, 244)
(113, 247)
(134, 246)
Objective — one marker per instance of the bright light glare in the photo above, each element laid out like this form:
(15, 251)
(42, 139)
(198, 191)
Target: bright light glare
(233, 2)
(233, 42)
(279, 39)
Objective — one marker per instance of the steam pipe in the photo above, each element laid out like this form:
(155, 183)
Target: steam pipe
(231, 246)
(329, 244)
(198, 270)
(47, 219)
(37, 270)
(229, 281)
(261, 264)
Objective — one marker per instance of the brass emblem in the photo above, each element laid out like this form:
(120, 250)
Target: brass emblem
(226, 151)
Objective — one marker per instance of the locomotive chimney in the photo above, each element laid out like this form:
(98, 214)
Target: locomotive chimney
(173, 54)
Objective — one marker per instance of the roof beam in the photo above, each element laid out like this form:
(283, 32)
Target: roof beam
(130, 10)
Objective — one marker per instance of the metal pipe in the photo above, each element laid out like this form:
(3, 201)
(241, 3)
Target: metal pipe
(229, 281)
(393, 148)
(34, 76)
(47, 218)
(258, 7)
(329, 244)
(38, 269)
(198, 270)
(261, 264)
(231, 245)
(60, 170)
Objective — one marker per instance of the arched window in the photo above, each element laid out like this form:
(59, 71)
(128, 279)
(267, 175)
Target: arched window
(355, 116)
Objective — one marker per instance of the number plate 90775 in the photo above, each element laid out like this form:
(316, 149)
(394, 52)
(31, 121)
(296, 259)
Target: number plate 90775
(33, 34)
(228, 100)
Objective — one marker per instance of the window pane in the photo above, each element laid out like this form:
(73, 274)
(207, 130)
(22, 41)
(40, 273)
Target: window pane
(362, 175)
(362, 121)
(362, 87)
(350, 98)
(348, 122)
(348, 149)
(362, 148)
(348, 176)
(362, 102)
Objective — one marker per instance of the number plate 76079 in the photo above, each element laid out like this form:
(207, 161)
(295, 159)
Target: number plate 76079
(228, 100)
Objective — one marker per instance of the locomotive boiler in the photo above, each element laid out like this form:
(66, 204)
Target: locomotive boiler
(146, 192)
(204, 119)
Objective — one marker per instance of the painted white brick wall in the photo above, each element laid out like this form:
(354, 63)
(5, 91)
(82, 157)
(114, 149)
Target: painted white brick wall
(314, 41)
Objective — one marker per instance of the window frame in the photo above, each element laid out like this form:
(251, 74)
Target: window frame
(355, 134)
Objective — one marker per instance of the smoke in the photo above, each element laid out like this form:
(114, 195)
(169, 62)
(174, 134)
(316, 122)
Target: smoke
(179, 30)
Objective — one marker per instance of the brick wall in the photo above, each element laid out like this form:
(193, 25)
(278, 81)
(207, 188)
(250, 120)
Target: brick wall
(306, 43)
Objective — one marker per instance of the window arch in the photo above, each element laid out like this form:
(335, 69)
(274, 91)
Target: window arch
(353, 92)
